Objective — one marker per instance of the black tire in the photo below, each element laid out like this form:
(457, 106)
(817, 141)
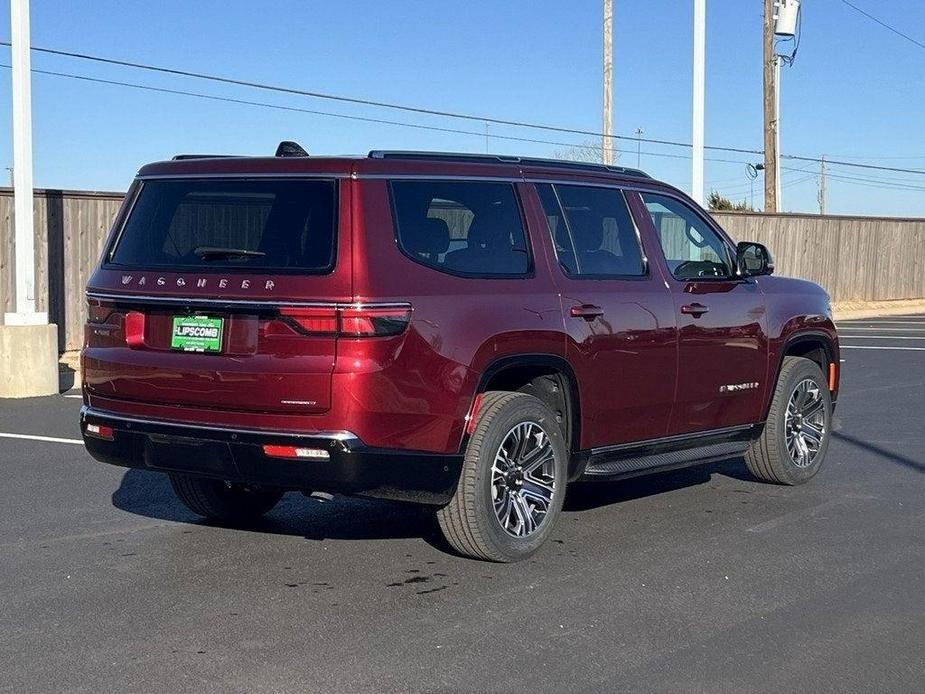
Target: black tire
(769, 458)
(469, 522)
(217, 500)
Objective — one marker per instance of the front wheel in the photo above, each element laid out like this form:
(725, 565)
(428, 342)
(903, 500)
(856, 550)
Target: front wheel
(513, 481)
(796, 435)
(222, 501)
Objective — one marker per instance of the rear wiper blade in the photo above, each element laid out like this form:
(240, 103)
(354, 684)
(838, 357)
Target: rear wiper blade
(214, 253)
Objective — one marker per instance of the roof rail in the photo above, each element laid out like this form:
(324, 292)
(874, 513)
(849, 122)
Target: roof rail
(180, 157)
(505, 159)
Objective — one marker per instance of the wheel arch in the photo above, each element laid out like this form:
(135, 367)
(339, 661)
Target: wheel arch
(815, 345)
(548, 377)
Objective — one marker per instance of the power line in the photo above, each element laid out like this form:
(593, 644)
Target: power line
(430, 112)
(884, 24)
(365, 102)
(330, 114)
(856, 165)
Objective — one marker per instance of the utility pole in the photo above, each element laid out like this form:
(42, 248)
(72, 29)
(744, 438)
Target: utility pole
(607, 139)
(700, 28)
(823, 185)
(771, 73)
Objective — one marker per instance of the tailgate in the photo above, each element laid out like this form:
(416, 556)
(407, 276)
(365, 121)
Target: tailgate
(259, 361)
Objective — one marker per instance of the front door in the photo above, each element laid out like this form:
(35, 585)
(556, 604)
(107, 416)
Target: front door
(619, 315)
(722, 322)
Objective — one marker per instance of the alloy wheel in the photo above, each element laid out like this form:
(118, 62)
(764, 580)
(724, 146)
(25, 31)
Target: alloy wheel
(805, 425)
(523, 479)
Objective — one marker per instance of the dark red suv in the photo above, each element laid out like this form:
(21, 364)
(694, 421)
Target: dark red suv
(468, 332)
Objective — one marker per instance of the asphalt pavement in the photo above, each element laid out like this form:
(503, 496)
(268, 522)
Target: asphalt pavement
(702, 580)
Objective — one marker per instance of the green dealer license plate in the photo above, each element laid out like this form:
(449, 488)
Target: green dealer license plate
(197, 334)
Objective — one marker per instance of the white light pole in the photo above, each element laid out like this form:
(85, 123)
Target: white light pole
(700, 24)
(24, 313)
(28, 344)
(607, 139)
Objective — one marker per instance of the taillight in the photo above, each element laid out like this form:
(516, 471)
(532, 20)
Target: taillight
(373, 321)
(348, 321)
(311, 320)
(134, 329)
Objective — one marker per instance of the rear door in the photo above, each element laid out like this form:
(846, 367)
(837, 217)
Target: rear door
(723, 345)
(221, 293)
(619, 315)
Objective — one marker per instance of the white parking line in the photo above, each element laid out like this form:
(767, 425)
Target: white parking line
(882, 322)
(881, 337)
(73, 396)
(901, 349)
(30, 437)
(885, 330)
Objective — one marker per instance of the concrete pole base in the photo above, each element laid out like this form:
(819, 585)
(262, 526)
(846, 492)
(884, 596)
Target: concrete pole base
(28, 360)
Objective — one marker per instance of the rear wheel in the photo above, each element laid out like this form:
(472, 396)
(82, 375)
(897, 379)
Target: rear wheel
(513, 481)
(223, 501)
(796, 435)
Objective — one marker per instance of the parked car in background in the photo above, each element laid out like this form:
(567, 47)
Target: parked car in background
(472, 333)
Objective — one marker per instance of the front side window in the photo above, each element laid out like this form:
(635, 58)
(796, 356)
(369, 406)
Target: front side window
(692, 248)
(223, 224)
(592, 230)
(461, 227)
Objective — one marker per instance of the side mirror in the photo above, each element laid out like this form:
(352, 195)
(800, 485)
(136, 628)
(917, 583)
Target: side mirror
(753, 259)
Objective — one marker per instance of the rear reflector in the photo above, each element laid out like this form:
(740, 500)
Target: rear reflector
(832, 374)
(274, 451)
(470, 420)
(100, 431)
(352, 321)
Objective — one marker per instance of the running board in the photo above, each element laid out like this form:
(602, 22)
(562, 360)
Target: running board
(629, 460)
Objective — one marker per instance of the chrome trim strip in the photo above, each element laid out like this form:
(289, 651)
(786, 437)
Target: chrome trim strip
(269, 304)
(672, 439)
(183, 176)
(329, 435)
(439, 177)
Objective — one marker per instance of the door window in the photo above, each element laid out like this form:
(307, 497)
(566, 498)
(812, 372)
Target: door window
(592, 230)
(692, 248)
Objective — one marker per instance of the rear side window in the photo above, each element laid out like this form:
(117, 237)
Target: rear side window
(471, 228)
(592, 230)
(260, 225)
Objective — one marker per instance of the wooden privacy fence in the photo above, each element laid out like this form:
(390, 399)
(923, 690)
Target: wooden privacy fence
(854, 258)
(70, 227)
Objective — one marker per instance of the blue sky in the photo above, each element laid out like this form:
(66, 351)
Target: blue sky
(856, 91)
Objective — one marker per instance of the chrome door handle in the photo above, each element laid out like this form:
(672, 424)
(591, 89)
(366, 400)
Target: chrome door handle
(587, 311)
(695, 309)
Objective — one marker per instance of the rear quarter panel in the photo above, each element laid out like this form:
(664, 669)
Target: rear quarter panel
(416, 393)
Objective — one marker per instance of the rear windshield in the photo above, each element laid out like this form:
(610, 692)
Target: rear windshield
(247, 224)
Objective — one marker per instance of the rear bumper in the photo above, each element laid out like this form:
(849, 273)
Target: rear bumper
(237, 455)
